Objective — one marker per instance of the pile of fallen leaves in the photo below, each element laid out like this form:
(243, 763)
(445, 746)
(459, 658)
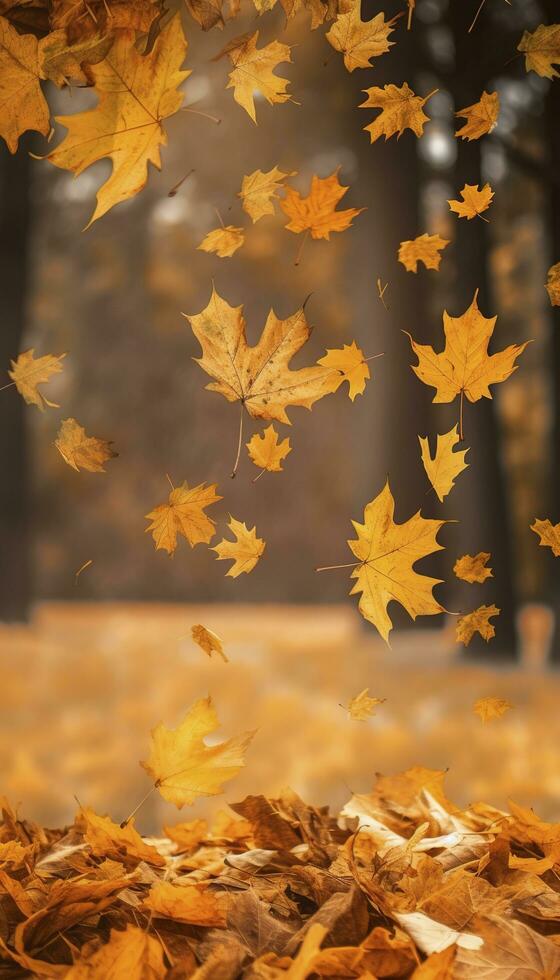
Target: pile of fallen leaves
(402, 884)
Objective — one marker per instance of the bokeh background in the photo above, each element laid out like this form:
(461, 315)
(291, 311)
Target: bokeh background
(89, 665)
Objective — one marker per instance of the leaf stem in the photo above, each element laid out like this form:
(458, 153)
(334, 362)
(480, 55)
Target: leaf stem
(239, 441)
(297, 259)
(179, 183)
(476, 16)
(461, 414)
(11, 384)
(328, 568)
(258, 476)
(206, 115)
(124, 823)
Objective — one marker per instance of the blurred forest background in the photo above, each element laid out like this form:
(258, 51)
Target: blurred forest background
(112, 297)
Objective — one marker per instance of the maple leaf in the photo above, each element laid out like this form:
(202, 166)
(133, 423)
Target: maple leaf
(361, 707)
(245, 551)
(474, 201)
(266, 452)
(446, 464)
(21, 71)
(351, 366)
(253, 71)
(136, 93)
(183, 767)
(193, 904)
(28, 372)
(223, 241)
(184, 514)
(426, 248)
(259, 377)
(208, 641)
(477, 621)
(481, 117)
(542, 50)
(472, 568)
(553, 284)
(317, 212)
(81, 451)
(359, 40)
(549, 534)
(488, 708)
(386, 553)
(108, 840)
(130, 953)
(400, 109)
(260, 189)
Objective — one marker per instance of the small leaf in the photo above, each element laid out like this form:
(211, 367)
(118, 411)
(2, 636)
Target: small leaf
(489, 708)
(476, 622)
(474, 201)
(223, 241)
(446, 464)
(245, 551)
(472, 568)
(208, 641)
(266, 452)
(426, 248)
(81, 451)
(362, 706)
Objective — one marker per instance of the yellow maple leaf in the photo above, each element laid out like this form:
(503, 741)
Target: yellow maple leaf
(361, 707)
(477, 621)
(542, 50)
(253, 71)
(259, 377)
(350, 365)
(549, 534)
(472, 568)
(426, 248)
(359, 40)
(223, 241)
(316, 213)
(266, 452)
(446, 464)
(481, 117)
(260, 189)
(208, 641)
(28, 372)
(386, 554)
(193, 904)
(183, 514)
(183, 767)
(81, 451)
(23, 104)
(553, 284)
(474, 201)
(319, 10)
(136, 93)
(488, 708)
(108, 840)
(130, 954)
(400, 109)
(245, 551)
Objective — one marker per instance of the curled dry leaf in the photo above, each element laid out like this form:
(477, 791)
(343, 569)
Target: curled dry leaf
(474, 201)
(183, 514)
(109, 840)
(21, 72)
(253, 71)
(28, 372)
(266, 451)
(359, 40)
(446, 464)
(223, 241)
(81, 451)
(549, 534)
(481, 117)
(131, 954)
(245, 551)
(426, 248)
(489, 708)
(348, 364)
(477, 621)
(542, 50)
(400, 108)
(259, 191)
(317, 212)
(472, 568)
(362, 706)
(208, 641)
(553, 285)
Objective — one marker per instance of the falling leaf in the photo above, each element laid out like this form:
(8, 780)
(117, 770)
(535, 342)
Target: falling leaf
(23, 103)
(474, 201)
(542, 50)
(476, 622)
(426, 248)
(317, 213)
(260, 189)
(130, 954)
(553, 285)
(81, 451)
(28, 372)
(183, 767)
(208, 641)
(549, 534)
(350, 365)
(386, 554)
(183, 514)
(488, 708)
(481, 117)
(472, 568)
(362, 706)
(253, 71)
(207, 13)
(245, 551)
(223, 241)
(400, 109)
(359, 40)
(191, 904)
(108, 840)
(446, 464)
(266, 452)
(136, 93)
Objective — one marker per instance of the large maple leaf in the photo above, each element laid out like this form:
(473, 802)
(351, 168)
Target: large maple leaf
(136, 93)
(360, 40)
(400, 108)
(317, 212)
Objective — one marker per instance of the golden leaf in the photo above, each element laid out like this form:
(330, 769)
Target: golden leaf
(130, 954)
(23, 104)
(253, 71)
(351, 366)
(195, 905)
(474, 201)
(320, 10)
(208, 641)
(187, 836)
(223, 241)
(542, 50)
(108, 840)
(260, 189)
(488, 708)
(104, 17)
(316, 212)
(183, 767)
(477, 621)
(27, 372)
(245, 551)
(438, 966)
(553, 285)
(67, 64)
(472, 568)
(81, 451)
(425, 248)
(207, 13)
(362, 706)
(386, 553)
(360, 40)
(266, 452)
(549, 534)
(400, 109)
(481, 117)
(183, 514)
(260, 376)
(445, 465)
(136, 93)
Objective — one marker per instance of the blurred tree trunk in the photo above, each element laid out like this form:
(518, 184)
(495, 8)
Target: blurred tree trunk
(14, 514)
